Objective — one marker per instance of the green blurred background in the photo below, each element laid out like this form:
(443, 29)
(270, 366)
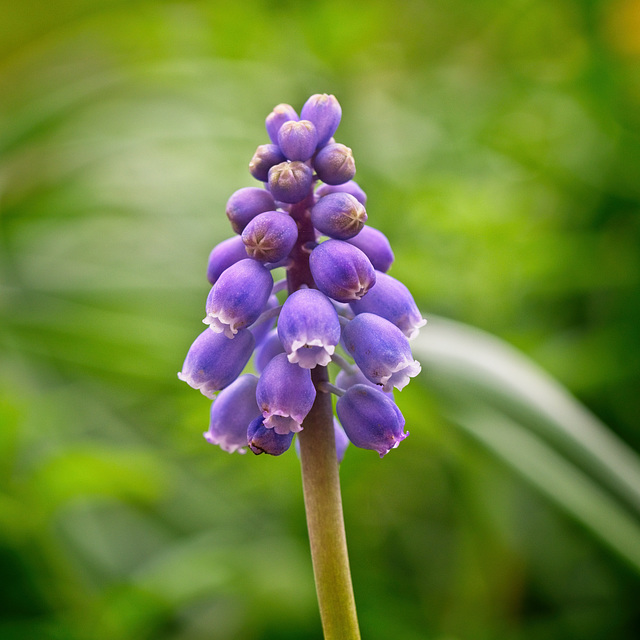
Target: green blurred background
(499, 145)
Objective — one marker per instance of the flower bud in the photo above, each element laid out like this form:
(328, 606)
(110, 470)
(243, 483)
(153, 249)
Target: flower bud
(223, 255)
(270, 236)
(263, 440)
(338, 215)
(351, 187)
(325, 113)
(334, 164)
(298, 140)
(214, 362)
(375, 246)
(268, 349)
(280, 114)
(390, 299)
(290, 182)
(264, 158)
(245, 204)
(370, 419)
(381, 351)
(232, 412)
(238, 298)
(341, 271)
(285, 395)
(308, 328)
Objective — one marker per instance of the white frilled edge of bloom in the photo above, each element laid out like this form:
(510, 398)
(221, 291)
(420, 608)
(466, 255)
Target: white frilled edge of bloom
(204, 387)
(220, 322)
(310, 353)
(282, 423)
(400, 375)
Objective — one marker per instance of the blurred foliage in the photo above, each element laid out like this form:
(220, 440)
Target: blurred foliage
(499, 144)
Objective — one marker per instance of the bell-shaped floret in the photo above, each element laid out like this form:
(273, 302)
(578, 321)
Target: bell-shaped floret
(281, 113)
(297, 140)
(264, 440)
(223, 255)
(375, 245)
(245, 204)
(334, 164)
(338, 215)
(231, 413)
(285, 395)
(390, 299)
(238, 298)
(325, 113)
(290, 182)
(270, 236)
(381, 351)
(370, 419)
(341, 271)
(214, 362)
(309, 328)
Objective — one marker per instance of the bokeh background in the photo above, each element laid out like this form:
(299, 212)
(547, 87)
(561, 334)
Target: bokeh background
(499, 145)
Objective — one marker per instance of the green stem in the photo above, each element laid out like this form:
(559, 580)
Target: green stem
(325, 522)
(320, 479)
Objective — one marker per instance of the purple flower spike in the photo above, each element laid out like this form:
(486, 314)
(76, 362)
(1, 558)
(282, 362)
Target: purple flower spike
(290, 182)
(370, 419)
(267, 350)
(264, 158)
(223, 255)
(238, 298)
(390, 299)
(280, 114)
(381, 351)
(231, 412)
(270, 236)
(263, 440)
(334, 164)
(285, 395)
(214, 362)
(338, 215)
(309, 328)
(245, 204)
(298, 140)
(341, 271)
(325, 112)
(375, 246)
(351, 187)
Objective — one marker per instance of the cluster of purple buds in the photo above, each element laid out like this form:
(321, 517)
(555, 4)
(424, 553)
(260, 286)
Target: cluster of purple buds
(307, 217)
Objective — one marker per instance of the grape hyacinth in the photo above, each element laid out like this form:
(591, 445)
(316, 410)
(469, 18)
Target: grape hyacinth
(337, 304)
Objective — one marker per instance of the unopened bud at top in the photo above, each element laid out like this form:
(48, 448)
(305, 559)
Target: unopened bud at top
(264, 158)
(351, 187)
(245, 204)
(298, 139)
(338, 215)
(290, 182)
(334, 164)
(270, 236)
(325, 113)
(281, 113)
(223, 255)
